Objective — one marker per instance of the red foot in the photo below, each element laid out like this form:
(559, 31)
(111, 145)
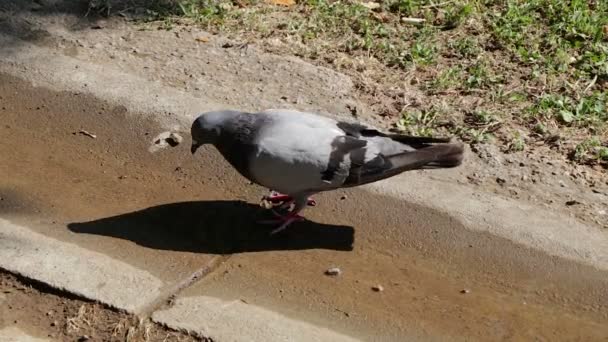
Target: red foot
(276, 198)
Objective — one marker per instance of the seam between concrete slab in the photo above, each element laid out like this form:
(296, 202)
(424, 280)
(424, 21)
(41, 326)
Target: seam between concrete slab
(165, 300)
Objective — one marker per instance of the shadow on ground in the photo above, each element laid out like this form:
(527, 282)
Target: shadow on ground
(215, 227)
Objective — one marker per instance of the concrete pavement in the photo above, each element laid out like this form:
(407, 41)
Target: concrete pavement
(11, 334)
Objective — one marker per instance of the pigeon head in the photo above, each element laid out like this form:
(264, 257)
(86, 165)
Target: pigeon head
(207, 128)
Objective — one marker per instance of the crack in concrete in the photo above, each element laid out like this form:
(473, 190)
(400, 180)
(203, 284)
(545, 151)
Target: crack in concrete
(165, 300)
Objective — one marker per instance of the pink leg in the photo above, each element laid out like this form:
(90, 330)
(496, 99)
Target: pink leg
(276, 197)
(285, 221)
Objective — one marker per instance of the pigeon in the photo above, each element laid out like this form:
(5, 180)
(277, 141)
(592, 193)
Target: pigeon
(298, 154)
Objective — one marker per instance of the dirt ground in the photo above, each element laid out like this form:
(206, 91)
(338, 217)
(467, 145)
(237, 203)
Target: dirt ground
(47, 313)
(72, 177)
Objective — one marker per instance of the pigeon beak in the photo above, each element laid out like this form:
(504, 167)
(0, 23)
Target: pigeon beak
(195, 146)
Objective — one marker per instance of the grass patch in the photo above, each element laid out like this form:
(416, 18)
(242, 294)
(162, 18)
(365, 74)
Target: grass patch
(538, 65)
(591, 151)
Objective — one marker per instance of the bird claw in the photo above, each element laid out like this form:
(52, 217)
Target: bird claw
(286, 223)
(266, 204)
(275, 198)
(284, 220)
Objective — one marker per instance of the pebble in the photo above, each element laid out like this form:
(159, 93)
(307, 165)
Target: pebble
(99, 25)
(174, 139)
(334, 271)
(378, 288)
(54, 323)
(465, 291)
(500, 180)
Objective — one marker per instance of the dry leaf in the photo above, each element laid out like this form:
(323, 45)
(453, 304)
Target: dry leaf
(241, 3)
(87, 133)
(370, 5)
(202, 39)
(286, 3)
(381, 17)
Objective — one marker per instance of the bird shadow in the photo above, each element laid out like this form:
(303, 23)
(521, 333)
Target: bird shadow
(215, 227)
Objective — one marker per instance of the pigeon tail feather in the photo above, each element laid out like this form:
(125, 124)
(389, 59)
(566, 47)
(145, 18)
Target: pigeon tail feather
(446, 155)
(435, 156)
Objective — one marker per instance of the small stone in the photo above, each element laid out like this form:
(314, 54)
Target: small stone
(465, 291)
(50, 313)
(99, 25)
(573, 202)
(83, 338)
(370, 5)
(334, 271)
(343, 197)
(500, 180)
(352, 107)
(54, 323)
(601, 212)
(174, 139)
(378, 288)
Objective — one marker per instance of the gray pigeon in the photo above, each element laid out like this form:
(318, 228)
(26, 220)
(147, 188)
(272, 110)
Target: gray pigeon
(299, 154)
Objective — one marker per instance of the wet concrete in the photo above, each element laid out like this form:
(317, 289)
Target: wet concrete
(172, 215)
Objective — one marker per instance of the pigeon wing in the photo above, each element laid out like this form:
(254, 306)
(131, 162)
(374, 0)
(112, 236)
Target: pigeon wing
(301, 152)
